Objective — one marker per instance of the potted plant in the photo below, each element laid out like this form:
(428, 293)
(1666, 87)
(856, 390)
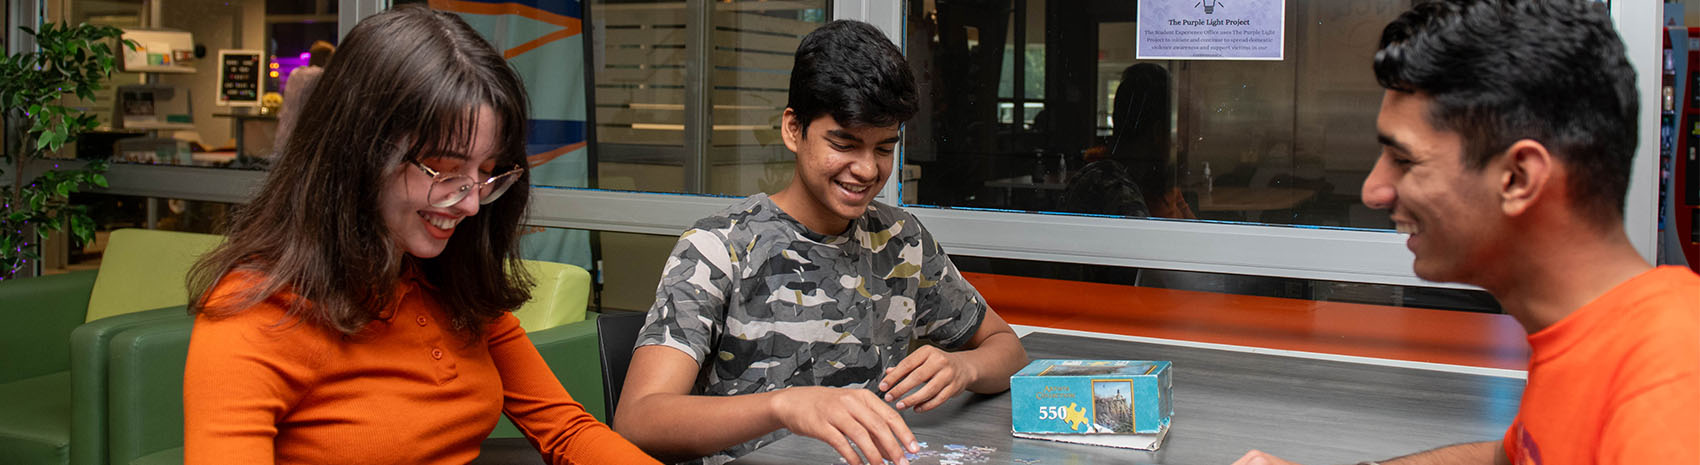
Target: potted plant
(70, 61)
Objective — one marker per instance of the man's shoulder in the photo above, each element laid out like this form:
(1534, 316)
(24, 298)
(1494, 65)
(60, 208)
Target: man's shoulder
(748, 213)
(303, 77)
(1666, 292)
(881, 216)
(1674, 298)
(1653, 318)
(1675, 279)
(753, 223)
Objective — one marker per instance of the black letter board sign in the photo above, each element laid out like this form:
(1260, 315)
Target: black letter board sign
(239, 77)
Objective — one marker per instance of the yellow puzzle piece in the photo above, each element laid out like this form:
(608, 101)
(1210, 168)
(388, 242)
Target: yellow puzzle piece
(1075, 416)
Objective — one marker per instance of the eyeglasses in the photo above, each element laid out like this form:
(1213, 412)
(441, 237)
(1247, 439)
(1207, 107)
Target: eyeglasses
(450, 188)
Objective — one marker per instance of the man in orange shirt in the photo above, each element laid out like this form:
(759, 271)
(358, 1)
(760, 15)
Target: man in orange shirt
(1507, 131)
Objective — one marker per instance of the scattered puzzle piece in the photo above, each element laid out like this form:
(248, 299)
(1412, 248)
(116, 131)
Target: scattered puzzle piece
(954, 454)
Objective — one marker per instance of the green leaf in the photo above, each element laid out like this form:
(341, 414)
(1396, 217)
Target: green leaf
(69, 66)
(82, 227)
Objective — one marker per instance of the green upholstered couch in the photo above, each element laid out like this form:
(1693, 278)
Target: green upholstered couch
(48, 378)
(91, 365)
(146, 384)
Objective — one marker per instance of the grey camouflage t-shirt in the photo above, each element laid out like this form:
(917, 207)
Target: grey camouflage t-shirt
(763, 303)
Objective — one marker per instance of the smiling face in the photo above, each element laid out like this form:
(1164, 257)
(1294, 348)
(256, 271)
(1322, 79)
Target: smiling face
(839, 171)
(1450, 211)
(422, 230)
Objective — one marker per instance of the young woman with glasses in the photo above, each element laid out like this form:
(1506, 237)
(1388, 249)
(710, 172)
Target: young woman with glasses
(359, 311)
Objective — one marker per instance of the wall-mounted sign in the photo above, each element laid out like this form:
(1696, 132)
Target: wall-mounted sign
(159, 51)
(239, 77)
(1212, 29)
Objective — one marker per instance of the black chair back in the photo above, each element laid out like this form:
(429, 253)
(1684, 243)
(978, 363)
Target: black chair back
(617, 332)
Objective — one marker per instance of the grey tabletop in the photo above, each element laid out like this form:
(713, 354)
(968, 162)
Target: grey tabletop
(1310, 411)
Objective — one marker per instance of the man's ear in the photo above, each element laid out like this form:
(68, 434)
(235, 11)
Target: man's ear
(791, 129)
(1529, 173)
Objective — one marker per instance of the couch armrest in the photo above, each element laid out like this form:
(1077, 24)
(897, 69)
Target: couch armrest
(560, 296)
(146, 389)
(36, 318)
(572, 353)
(90, 378)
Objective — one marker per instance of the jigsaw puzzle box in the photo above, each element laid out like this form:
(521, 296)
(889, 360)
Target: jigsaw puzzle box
(1091, 397)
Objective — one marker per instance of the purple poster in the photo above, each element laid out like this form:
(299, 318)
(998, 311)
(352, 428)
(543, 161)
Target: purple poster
(1212, 29)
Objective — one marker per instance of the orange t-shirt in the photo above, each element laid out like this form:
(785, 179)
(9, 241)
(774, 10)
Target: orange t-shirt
(262, 388)
(1618, 381)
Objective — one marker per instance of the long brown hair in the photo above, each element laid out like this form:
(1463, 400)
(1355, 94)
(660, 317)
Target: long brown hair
(405, 83)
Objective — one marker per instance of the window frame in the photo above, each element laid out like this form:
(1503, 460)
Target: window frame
(1338, 254)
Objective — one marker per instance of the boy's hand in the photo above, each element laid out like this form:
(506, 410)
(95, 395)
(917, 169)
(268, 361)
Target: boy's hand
(842, 416)
(939, 374)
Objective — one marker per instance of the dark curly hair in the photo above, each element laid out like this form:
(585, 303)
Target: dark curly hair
(1500, 71)
(848, 69)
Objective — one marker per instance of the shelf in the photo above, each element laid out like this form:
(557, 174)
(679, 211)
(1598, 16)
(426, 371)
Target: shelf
(161, 69)
(160, 126)
(249, 116)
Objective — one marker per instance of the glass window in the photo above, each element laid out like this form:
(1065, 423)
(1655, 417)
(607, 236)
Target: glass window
(686, 99)
(169, 112)
(1096, 130)
(688, 94)
(544, 43)
(114, 211)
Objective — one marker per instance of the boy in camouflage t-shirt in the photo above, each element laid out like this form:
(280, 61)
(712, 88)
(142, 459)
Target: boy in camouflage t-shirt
(795, 312)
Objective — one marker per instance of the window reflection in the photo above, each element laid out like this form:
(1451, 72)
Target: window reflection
(688, 100)
(1131, 175)
(1077, 123)
(175, 117)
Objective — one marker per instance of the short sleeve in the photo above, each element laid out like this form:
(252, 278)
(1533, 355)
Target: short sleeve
(1656, 426)
(1655, 417)
(690, 301)
(948, 309)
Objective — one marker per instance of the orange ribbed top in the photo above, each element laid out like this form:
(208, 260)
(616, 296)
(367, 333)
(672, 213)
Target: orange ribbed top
(261, 388)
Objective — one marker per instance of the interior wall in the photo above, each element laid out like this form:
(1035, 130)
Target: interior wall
(631, 268)
(215, 25)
